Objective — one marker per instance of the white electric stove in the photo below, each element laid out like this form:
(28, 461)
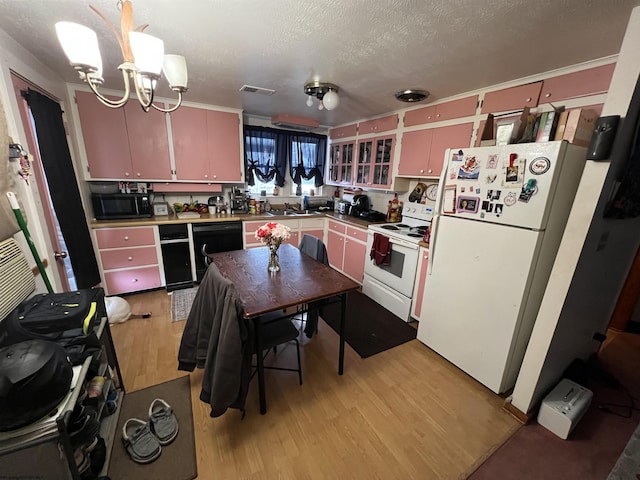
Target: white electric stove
(392, 285)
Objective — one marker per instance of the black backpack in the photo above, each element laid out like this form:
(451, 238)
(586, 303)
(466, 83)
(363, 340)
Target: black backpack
(35, 376)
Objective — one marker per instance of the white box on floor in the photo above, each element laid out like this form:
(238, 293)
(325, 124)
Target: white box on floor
(563, 408)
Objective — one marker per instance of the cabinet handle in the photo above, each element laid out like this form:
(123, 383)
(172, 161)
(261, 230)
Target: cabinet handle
(430, 171)
(421, 171)
(126, 239)
(134, 280)
(547, 95)
(206, 176)
(138, 174)
(528, 99)
(437, 115)
(215, 176)
(129, 258)
(428, 117)
(127, 174)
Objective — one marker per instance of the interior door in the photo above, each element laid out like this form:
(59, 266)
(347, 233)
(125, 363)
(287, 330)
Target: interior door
(63, 266)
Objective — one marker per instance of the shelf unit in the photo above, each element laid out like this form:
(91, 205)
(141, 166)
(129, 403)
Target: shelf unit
(43, 449)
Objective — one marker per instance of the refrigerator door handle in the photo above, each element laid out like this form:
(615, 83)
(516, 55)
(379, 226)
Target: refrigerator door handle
(432, 242)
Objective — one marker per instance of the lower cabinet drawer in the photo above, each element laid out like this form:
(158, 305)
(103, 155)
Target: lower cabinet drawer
(133, 280)
(128, 257)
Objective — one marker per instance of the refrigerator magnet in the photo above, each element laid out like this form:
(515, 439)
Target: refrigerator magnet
(513, 173)
(528, 190)
(492, 162)
(485, 204)
(498, 209)
(510, 199)
(449, 199)
(467, 204)
(491, 178)
(470, 169)
(539, 165)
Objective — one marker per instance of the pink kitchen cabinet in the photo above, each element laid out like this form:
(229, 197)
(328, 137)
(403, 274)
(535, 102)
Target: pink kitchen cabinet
(463, 107)
(592, 81)
(513, 98)
(354, 258)
(375, 162)
(123, 143)
(106, 142)
(189, 136)
(343, 132)
(422, 152)
(378, 125)
(414, 154)
(148, 143)
(417, 306)
(223, 145)
(206, 145)
(132, 280)
(453, 136)
(335, 249)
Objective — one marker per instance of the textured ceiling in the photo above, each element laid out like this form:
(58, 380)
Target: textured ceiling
(369, 48)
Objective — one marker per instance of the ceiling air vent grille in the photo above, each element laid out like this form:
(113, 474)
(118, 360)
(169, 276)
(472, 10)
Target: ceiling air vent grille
(260, 90)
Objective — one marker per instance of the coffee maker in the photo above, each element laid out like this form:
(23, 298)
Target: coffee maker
(239, 201)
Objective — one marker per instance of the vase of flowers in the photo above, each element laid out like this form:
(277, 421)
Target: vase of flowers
(273, 234)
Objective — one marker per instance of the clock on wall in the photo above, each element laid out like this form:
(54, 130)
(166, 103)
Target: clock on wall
(432, 191)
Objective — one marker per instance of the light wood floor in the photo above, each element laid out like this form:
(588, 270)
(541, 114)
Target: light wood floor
(404, 413)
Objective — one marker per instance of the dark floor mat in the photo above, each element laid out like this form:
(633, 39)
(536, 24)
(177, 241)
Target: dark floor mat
(370, 327)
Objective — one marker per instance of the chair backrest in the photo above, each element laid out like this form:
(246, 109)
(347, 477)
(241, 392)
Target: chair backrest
(315, 248)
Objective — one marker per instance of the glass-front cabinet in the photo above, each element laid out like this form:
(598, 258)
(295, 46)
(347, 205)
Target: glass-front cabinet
(375, 161)
(341, 163)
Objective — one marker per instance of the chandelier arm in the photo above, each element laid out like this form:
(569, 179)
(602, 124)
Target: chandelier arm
(143, 97)
(172, 109)
(111, 103)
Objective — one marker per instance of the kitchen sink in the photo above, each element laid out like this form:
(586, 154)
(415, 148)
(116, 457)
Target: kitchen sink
(292, 213)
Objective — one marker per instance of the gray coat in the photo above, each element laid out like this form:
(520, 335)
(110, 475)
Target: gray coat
(218, 338)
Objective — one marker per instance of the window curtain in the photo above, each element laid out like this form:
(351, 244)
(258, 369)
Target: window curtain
(265, 154)
(65, 196)
(307, 153)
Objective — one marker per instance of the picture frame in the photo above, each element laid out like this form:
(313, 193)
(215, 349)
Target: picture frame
(467, 204)
(504, 132)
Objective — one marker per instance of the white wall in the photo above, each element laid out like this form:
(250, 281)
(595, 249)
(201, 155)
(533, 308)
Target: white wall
(593, 260)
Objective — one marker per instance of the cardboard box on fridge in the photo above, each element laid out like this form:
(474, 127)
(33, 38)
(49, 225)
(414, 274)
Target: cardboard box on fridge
(580, 125)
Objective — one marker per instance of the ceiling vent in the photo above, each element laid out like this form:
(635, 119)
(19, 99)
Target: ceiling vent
(294, 122)
(260, 90)
(412, 96)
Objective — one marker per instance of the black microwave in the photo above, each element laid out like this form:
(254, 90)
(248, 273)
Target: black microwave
(110, 206)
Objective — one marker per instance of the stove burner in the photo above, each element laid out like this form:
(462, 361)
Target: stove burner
(389, 227)
(417, 235)
(403, 225)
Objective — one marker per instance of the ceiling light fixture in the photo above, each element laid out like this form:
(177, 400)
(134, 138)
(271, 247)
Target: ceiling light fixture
(411, 95)
(144, 59)
(326, 93)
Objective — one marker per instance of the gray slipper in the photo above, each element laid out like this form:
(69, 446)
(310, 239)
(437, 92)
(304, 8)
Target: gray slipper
(140, 442)
(162, 421)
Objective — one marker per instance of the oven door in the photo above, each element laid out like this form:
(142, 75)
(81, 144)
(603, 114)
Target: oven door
(401, 273)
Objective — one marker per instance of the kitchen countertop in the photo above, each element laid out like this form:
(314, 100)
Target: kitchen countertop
(209, 217)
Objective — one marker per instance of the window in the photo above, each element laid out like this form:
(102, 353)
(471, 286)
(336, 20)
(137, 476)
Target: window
(267, 152)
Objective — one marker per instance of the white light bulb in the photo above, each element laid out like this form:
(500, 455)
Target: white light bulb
(331, 100)
(320, 105)
(309, 101)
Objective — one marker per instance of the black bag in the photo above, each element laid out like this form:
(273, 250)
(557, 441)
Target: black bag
(56, 312)
(35, 376)
(66, 318)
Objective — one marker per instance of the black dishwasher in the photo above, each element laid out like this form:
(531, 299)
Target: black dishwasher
(176, 257)
(213, 238)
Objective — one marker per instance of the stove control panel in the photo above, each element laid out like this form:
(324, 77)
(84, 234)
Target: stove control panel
(418, 210)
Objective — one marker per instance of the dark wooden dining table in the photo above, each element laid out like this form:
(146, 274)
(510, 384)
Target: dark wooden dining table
(301, 280)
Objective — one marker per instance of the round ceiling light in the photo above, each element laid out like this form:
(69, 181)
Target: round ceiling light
(411, 95)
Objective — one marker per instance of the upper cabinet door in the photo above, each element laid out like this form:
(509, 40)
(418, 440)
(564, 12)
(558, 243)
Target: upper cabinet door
(414, 154)
(420, 116)
(514, 98)
(223, 140)
(148, 142)
(377, 125)
(453, 136)
(189, 133)
(343, 132)
(463, 107)
(106, 142)
(592, 81)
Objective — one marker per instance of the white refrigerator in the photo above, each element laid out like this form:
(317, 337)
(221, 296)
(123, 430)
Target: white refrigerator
(500, 216)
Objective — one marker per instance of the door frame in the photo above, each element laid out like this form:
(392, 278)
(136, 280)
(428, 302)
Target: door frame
(48, 214)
